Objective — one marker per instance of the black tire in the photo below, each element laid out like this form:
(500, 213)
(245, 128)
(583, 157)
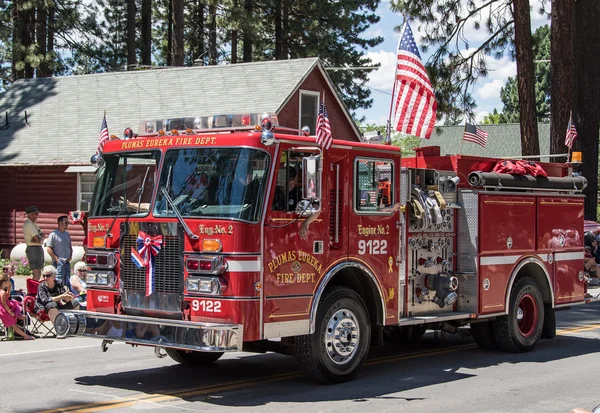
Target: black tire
(341, 311)
(521, 335)
(193, 358)
(483, 334)
(549, 330)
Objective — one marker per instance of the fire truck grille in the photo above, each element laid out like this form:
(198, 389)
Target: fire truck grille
(167, 278)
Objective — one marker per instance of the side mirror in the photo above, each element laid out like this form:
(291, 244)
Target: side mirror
(311, 178)
(305, 208)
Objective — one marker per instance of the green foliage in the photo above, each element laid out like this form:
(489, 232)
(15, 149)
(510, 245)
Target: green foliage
(455, 66)
(406, 143)
(21, 266)
(509, 94)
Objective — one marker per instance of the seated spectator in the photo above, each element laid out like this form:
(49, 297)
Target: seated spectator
(9, 270)
(78, 284)
(52, 296)
(589, 263)
(10, 310)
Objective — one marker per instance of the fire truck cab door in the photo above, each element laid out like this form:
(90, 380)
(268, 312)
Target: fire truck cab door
(294, 263)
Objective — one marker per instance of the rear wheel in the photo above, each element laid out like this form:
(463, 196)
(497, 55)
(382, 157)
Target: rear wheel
(521, 329)
(339, 346)
(193, 358)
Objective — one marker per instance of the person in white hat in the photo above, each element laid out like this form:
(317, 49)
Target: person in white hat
(33, 239)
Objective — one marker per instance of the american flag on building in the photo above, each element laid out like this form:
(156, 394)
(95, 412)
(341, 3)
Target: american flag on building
(571, 133)
(474, 134)
(103, 137)
(323, 129)
(413, 94)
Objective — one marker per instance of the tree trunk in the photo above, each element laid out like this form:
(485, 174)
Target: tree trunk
(285, 27)
(16, 44)
(200, 27)
(146, 47)
(27, 36)
(170, 34)
(248, 26)
(50, 45)
(41, 33)
(530, 141)
(177, 32)
(131, 57)
(562, 57)
(586, 110)
(234, 46)
(212, 34)
(278, 31)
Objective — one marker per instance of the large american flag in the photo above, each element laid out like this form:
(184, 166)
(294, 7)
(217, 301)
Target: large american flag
(571, 133)
(474, 134)
(103, 137)
(323, 129)
(413, 93)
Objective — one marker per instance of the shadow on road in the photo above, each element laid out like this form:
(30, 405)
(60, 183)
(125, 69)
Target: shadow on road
(271, 376)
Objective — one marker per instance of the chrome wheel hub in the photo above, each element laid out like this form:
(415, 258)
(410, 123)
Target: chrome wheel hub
(519, 314)
(342, 336)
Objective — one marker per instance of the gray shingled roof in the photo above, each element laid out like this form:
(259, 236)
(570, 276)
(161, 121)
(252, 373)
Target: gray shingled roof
(64, 114)
(504, 140)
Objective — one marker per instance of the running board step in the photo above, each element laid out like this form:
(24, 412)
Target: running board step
(436, 318)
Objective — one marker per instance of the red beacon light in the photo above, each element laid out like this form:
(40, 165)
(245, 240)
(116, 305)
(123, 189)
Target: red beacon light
(128, 134)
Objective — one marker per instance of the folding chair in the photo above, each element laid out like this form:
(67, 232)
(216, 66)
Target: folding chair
(39, 324)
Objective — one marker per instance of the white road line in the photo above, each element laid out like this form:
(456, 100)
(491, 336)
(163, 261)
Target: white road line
(50, 350)
(96, 393)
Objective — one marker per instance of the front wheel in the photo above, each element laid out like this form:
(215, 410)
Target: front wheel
(520, 330)
(339, 346)
(193, 358)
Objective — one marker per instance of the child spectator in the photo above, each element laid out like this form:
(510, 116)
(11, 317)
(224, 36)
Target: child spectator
(10, 271)
(10, 310)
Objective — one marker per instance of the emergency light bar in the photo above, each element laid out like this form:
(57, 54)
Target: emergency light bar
(222, 121)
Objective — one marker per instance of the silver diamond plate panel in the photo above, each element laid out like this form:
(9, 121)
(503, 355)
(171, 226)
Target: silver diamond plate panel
(466, 241)
(286, 329)
(466, 248)
(404, 193)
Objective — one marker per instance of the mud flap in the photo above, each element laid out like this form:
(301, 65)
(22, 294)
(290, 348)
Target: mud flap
(549, 329)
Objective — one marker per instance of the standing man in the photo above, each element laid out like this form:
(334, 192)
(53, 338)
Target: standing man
(33, 239)
(59, 247)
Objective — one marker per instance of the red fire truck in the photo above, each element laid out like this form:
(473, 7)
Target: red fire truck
(218, 237)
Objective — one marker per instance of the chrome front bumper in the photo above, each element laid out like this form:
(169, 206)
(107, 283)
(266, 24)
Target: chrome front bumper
(156, 332)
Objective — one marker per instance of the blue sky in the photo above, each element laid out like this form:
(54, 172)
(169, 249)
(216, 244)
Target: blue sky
(486, 92)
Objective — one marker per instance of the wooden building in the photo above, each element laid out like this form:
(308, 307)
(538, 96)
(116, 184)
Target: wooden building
(49, 126)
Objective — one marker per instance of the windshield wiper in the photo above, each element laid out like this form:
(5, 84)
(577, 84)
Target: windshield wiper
(143, 187)
(187, 229)
(123, 208)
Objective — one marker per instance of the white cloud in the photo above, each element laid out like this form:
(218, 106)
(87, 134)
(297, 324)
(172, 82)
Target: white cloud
(382, 78)
(479, 116)
(490, 90)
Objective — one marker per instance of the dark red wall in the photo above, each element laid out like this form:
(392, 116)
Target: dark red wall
(49, 188)
(340, 126)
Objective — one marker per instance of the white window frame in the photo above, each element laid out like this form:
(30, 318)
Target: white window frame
(79, 191)
(313, 94)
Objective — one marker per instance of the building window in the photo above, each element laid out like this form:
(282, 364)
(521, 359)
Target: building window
(85, 185)
(374, 184)
(309, 105)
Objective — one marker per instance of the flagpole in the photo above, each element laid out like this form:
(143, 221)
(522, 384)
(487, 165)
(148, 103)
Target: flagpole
(569, 131)
(389, 129)
(462, 140)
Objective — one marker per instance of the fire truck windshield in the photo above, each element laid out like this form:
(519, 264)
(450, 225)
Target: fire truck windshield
(125, 184)
(219, 183)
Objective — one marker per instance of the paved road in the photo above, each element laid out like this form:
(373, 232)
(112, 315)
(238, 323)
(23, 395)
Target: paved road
(449, 375)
